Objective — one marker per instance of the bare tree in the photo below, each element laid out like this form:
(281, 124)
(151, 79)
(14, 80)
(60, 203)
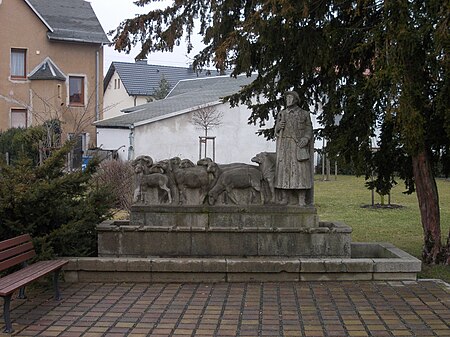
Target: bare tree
(117, 177)
(55, 116)
(207, 117)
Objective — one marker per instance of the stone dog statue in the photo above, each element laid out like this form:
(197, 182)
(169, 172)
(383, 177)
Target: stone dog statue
(267, 163)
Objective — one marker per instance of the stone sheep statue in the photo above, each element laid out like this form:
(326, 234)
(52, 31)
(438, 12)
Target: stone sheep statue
(148, 176)
(217, 169)
(190, 176)
(235, 178)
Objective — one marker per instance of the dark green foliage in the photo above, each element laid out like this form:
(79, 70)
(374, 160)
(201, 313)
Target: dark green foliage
(20, 143)
(388, 159)
(78, 237)
(59, 209)
(163, 89)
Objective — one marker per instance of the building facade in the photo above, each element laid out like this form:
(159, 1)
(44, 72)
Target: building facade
(51, 66)
(129, 84)
(166, 128)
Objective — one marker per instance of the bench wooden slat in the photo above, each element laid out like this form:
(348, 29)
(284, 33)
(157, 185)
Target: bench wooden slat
(17, 259)
(7, 253)
(14, 241)
(28, 271)
(12, 282)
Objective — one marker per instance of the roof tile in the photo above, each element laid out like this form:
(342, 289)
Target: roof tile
(70, 20)
(142, 79)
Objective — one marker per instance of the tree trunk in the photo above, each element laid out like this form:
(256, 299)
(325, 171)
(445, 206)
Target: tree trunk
(447, 250)
(428, 198)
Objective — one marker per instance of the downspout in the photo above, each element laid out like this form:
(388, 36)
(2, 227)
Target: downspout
(97, 69)
(131, 143)
(29, 108)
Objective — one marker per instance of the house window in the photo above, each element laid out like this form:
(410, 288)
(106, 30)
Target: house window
(76, 90)
(76, 154)
(18, 63)
(117, 83)
(19, 118)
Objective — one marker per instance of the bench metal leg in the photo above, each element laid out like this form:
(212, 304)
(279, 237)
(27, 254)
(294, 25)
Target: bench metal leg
(6, 314)
(22, 294)
(55, 285)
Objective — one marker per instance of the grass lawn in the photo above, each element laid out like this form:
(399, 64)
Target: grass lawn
(341, 200)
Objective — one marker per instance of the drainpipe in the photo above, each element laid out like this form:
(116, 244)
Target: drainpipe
(131, 145)
(97, 69)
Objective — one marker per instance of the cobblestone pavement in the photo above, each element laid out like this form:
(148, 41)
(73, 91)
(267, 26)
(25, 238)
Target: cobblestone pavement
(237, 309)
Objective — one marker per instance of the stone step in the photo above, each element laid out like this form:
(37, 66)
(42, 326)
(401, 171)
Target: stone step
(369, 261)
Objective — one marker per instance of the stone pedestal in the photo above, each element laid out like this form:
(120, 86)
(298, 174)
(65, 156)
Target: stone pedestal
(212, 231)
(225, 217)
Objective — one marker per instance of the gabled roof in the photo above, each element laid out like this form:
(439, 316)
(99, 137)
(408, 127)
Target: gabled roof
(69, 20)
(142, 79)
(209, 91)
(47, 70)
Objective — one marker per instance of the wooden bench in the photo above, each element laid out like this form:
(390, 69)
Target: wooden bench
(17, 251)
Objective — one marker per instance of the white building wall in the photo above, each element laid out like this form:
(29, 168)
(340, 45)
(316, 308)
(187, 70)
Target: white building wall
(115, 99)
(113, 139)
(139, 100)
(236, 141)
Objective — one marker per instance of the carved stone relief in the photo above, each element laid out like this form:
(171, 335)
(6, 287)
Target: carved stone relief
(282, 177)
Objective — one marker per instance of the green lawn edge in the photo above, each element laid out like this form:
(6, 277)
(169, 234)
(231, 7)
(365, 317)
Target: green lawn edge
(343, 198)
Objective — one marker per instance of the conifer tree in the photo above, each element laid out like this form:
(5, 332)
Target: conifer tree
(163, 89)
(369, 61)
(59, 209)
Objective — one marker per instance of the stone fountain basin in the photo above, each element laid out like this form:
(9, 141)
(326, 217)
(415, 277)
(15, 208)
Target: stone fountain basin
(368, 261)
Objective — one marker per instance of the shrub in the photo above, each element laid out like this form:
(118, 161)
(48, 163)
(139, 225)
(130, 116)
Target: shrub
(117, 177)
(59, 209)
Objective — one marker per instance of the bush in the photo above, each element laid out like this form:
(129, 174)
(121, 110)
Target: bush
(59, 209)
(117, 177)
(18, 143)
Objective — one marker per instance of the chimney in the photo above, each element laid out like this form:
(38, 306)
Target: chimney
(141, 61)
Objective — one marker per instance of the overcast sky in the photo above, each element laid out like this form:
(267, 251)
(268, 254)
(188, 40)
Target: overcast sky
(111, 12)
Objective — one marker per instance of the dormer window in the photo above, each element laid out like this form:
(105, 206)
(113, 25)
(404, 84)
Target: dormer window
(18, 63)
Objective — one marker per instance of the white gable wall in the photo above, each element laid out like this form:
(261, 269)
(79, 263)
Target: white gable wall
(115, 99)
(236, 141)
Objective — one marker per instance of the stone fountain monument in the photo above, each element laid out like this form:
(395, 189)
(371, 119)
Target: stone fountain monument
(237, 222)
(208, 209)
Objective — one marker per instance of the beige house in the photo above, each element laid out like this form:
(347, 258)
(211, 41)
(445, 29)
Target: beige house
(51, 61)
(131, 84)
